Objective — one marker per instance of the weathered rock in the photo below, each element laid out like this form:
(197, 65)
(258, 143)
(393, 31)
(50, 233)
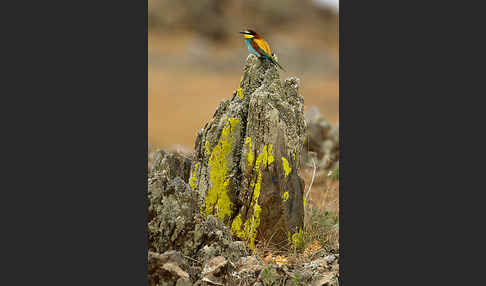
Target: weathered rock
(168, 256)
(175, 221)
(166, 269)
(214, 266)
(248, 265)
(214, 271)
(248, 156)
(212, 238)
(172, 211)
(171, 164)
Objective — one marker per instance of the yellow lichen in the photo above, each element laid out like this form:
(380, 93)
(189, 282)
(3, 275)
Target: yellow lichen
(249, 155)
(262, 159)
(233, 122)
(236, 225)
(192, 180)
(286, 167)
(270, 156)
(207, 148)
(305, 202)
(258, 185)
(285, 196)
(217, 200)
(249, 227)
(239, 92)
(252, 223)
(255, 225)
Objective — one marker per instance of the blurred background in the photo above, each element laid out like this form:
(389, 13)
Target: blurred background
(196, 57)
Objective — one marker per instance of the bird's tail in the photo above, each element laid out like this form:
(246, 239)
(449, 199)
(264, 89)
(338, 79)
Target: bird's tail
(276, 63)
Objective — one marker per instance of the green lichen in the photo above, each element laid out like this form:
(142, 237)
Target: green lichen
(217, 200)
(286, 167)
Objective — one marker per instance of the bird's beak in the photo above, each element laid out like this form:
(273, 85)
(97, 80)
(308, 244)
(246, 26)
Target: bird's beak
(245, 33)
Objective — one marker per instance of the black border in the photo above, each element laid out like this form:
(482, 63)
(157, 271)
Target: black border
(410, 121)
(75, 143)
(75, 159)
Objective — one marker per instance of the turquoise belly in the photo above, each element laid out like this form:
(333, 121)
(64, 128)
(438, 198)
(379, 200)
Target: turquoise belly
(251, 49)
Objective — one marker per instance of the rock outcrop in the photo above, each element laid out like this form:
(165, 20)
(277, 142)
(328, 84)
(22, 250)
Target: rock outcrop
(240, 186)
(178, 234)
(247, 158)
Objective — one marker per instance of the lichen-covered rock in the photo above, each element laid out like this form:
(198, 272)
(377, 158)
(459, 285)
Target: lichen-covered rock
(176, 223)
(212, 238)
(247, 158)
(172, 164)
(171, 214)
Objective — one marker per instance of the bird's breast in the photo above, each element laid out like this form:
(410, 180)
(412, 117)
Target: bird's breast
(250, 48)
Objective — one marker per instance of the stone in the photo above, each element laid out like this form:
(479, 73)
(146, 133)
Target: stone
(214, 265)
(166, 269)
(247, 158)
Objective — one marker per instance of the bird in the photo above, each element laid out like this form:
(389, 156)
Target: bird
(258, 46)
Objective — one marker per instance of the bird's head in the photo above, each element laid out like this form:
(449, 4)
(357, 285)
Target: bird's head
(249, 34)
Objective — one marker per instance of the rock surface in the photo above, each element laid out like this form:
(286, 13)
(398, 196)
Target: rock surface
(247, 158)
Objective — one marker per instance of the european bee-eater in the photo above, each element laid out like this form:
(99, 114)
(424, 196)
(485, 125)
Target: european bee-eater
(258, 46)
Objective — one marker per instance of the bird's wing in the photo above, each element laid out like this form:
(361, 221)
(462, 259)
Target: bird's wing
(262, 47)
